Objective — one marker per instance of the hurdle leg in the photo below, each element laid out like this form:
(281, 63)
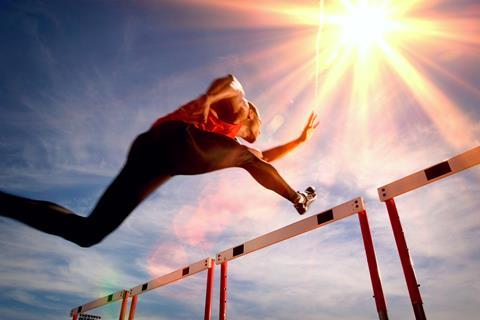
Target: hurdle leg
(372, 266)
(223, 291)
(208, 295)
(133, 307)
(408, 271)
(123, 310)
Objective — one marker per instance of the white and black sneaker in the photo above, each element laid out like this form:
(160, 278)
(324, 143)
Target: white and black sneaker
(305, 200)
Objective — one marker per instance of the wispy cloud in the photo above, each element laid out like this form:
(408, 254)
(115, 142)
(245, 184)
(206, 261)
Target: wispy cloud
(70, 136)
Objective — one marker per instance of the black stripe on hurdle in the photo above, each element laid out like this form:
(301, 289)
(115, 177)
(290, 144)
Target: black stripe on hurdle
(238, 250)
(145, 286)
(438, 170)
(185, 271)
(325, 216)
(109, 298)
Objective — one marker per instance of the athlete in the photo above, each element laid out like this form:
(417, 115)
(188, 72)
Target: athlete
(199, 137)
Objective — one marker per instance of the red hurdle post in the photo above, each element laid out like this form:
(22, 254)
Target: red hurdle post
(407, 266)
(223, 291)
(372, 266)
(209, 291)
(123, 310)
(133, 308)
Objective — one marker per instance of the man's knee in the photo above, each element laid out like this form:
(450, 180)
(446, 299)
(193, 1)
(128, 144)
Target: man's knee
(89, 234)
(87, 241)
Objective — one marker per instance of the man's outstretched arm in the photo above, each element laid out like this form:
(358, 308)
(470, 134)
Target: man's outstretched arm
(280, 151)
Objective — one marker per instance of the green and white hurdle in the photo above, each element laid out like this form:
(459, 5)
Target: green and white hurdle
(202, 265)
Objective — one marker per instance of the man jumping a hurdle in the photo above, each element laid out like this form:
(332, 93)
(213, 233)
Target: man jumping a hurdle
(199, 137)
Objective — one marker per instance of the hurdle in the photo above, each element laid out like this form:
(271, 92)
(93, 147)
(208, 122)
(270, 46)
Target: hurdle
(355, 206)
(388, 192)
(100, 302)
(202, 265)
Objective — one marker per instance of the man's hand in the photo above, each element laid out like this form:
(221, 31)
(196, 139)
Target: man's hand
(311, 125)
(278, 152)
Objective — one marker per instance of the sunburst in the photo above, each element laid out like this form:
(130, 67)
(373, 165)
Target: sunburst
(371, 41)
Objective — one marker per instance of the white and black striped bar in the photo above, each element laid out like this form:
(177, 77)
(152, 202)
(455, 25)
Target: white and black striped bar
(439, 171)
(308, 224)
(89, 317)
(173, 276)
(98, 303)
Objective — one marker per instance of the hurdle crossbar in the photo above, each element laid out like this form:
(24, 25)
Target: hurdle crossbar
(388, 192)
(176, 275)
(119, 295)
(355, 206)
(431, 174)
(308, 224)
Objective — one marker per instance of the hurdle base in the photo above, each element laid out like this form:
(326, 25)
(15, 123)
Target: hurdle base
(382, 315)
(419, 312)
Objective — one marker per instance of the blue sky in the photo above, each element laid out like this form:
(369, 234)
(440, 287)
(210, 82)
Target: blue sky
(80, 79)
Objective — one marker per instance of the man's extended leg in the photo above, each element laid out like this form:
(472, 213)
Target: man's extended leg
(128, 189)
(42, 215)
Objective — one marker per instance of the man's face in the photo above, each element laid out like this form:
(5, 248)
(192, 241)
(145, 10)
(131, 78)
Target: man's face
(255, 129)
(254, 123)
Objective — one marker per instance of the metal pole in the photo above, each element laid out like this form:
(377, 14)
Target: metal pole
(133, 307)
(405, 259)
(123, 310)
(208, 295)
(372, 266)
(223, 291)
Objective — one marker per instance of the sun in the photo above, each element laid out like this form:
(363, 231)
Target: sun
(356, 32)
(352, 36)
(363, 24)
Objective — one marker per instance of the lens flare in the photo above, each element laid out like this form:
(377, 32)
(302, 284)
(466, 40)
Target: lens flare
(374, 71)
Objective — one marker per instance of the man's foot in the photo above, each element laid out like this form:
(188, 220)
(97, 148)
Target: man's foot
(305, 200)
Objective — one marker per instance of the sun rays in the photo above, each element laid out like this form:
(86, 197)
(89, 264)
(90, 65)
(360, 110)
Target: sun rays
(355, 49)
(381, 75)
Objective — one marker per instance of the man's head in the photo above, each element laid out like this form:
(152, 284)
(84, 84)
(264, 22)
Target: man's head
(251, 125)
